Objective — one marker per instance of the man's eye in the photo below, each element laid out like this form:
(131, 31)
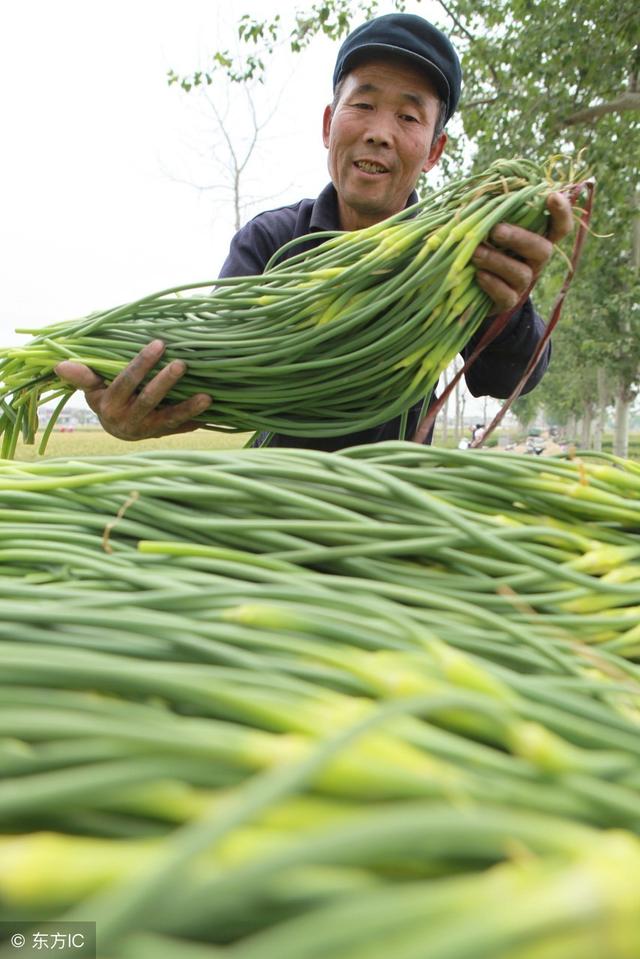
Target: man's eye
(363, 106)
(408, 116)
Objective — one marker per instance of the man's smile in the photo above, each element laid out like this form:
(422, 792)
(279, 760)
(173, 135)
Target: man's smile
(370, 166)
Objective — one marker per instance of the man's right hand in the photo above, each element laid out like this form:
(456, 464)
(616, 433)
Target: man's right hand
(131, 413)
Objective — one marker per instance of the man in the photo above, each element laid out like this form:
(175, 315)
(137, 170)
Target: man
(396, 84)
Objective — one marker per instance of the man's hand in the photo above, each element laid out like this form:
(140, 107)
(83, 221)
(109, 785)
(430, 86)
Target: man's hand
(504, 276)
(131, 413)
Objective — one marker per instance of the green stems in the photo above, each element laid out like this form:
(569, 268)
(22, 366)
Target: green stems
(335, 339)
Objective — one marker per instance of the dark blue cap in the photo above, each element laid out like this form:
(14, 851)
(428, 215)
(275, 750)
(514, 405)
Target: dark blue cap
(411, 37)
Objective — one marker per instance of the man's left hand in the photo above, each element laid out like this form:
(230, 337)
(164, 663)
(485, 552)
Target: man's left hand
(505, 273)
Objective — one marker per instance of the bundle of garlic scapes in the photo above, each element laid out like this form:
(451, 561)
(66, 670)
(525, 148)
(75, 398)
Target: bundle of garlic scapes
(327, 341)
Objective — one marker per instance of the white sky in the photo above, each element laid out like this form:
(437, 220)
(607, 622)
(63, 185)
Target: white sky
(94, 210)
(94, 144)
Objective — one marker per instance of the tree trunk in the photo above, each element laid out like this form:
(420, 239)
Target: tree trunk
(635, 233)
(571, 428)
(586, 424)
(601, 418)
(625, 395)
(236, 199)
(623, 407)
(460, 404)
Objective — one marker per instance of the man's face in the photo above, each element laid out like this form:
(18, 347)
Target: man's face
(379, 139)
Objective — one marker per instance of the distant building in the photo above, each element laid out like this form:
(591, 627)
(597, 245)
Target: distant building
(70, 418)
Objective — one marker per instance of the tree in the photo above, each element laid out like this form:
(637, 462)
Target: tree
(532, 78)
(233, 133)
(525, 409)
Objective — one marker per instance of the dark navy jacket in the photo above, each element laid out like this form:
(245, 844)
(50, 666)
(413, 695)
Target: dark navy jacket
(495, 373)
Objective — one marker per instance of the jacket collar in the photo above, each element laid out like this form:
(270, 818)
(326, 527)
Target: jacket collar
(324, 215)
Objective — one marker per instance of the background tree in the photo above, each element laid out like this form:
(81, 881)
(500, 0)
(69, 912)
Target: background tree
(235, 119)
(526, 409)
(549, 77)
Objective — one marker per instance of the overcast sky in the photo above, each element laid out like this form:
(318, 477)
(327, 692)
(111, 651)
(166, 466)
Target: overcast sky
(96, 146)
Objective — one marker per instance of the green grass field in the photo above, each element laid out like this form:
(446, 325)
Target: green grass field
(95, 442)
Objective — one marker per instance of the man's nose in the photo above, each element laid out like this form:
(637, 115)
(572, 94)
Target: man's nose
(379, 131)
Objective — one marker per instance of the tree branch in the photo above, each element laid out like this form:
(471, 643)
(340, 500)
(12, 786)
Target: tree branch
(461, 27)
(484, 102)
(626, 101)
(472, 40)
(255, 131)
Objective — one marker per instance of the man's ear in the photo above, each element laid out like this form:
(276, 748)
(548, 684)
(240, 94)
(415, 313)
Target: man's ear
(326, 124)
(435, 152)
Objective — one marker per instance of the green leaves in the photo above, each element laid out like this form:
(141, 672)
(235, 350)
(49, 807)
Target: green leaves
(530, 69)
(330, 18)
(255, 30)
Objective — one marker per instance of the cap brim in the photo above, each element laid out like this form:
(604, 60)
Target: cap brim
(371, 48)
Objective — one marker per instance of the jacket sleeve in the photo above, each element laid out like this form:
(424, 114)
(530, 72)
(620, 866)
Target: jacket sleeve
(498, 369)
(251, 249)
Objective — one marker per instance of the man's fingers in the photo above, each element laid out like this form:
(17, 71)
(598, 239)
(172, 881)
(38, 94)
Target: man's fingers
(127, 382)
(131, 415)
(503, 296)
(536, 250)
(178, 418)
(84, 378)
(78, 375)
(188, 427)
(561, 217)
(156, 390)
(515, 273)
(530, 247)
(514, 257)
